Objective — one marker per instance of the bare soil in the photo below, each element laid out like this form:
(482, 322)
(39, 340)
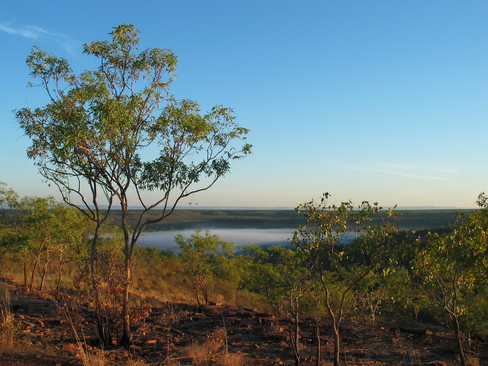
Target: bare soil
(59, 331)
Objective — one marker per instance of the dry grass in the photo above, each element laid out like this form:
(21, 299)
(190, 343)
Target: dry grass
(473, 361)
(203, 354)
(231, 359)
(8, 325)
(88, 358)
(213, 352)
(134, 362)
(172, 315)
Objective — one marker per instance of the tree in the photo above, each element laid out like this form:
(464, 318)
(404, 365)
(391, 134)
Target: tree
(116, 132)
(7, 196)
(41, 231)
(336, 267)
(294, 280)
(197, 256)
(449, 268)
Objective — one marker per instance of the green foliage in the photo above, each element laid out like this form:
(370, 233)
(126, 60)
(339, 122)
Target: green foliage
(448, 268)
(8, 197)
(97, 123)
(475, 319)
(321, 240)
(155, 273)
(116, 131)
(273, 272)
(44, 234)
(200, 256)
(335, 268)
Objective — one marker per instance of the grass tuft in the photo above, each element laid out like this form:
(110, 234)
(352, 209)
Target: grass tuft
(8, 326)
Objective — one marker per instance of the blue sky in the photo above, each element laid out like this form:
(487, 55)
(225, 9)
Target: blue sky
(369, 100)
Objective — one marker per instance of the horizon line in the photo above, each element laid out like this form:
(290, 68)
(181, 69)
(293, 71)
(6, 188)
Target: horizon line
(293, 208)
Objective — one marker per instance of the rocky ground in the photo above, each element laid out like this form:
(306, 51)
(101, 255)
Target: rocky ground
(55, 332)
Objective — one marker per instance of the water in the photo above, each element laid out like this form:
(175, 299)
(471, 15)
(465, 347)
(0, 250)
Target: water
(165, 239)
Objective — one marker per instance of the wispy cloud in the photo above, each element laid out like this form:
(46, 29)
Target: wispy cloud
(398, 169)
(448, 171)
(27, 31)
(34, 32)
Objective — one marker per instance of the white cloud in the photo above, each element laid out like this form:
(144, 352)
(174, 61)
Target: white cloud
(397, 169)
(34, 32)
(26, 31)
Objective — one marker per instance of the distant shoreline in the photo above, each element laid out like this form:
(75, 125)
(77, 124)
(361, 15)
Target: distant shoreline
(242, 208)
(278, 219)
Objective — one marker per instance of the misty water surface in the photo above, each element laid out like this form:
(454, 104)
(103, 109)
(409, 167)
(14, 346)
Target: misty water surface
(165, 239)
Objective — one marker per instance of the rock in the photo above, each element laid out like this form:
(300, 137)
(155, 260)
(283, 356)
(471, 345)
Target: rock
(416, 331)
(70, 348)
(214, 303)
(247, 322)
(210, 310)
(134, 348)
(267, 320)
(44, 295)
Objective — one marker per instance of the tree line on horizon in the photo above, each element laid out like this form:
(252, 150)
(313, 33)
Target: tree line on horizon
(183, 219)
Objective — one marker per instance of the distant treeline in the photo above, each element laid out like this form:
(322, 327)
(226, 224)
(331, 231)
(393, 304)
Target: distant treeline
(278, 219)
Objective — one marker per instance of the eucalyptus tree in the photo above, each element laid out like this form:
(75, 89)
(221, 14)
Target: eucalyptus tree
(294, 280)
(7, 196)
(449, 269)
(197, 256)
(279, 274)
(40, 231)
(264, 275)
(338, 268)
(114, 134)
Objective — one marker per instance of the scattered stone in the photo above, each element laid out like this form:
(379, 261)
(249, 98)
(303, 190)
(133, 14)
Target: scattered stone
(416, 331)
(134, 348)
(247, 322)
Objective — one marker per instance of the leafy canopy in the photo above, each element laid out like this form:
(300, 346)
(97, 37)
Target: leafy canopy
(98, 124)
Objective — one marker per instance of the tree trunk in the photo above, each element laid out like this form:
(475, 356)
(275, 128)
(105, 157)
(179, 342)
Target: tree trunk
(103, 334)
(318, 360)
(196, 292)
(337, 346)
(336, 321)
(295, 329)
(60, 271)
(126, 334)
(25, 277)
(205, 295)
(319, 344)
(44, 272)
(33, 273)
(459, 340)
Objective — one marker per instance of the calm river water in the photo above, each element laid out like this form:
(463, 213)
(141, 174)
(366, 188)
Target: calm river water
(165, 239)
